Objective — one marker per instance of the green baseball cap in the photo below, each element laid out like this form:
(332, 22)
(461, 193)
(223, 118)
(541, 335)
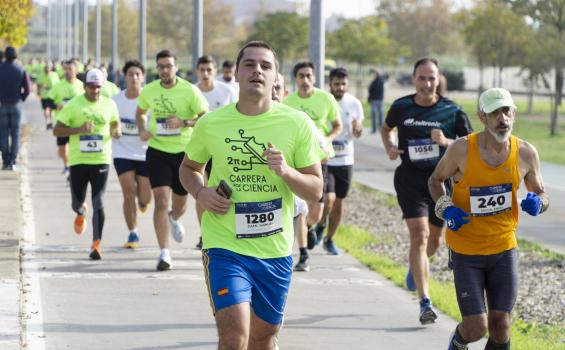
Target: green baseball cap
(495, 98)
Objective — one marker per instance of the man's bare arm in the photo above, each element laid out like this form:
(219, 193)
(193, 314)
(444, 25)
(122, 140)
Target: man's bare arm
(447, 167)
(532, 179)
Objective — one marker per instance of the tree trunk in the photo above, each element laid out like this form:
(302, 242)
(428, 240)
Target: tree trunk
(500, 76)
(554, 127)
(493, 76)
(359, 80)
(481, 86)
(530, 95)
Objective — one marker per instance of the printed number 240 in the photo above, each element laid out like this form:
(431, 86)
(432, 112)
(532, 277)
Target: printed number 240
(491, 201)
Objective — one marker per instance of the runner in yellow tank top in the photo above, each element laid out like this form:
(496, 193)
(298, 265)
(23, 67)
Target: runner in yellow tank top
(487, 168)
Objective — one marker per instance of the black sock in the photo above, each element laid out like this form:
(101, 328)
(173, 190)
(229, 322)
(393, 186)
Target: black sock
(303, 252)
(491, 345)
(457, 341)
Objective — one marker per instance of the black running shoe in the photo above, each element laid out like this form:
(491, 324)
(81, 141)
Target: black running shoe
(199, 244)
(302, 264)
(311, 238)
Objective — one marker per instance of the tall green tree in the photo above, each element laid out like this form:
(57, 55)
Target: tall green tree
(498, 36)
(287, 32)
(549, 17)
(14, 16)
(427, 27)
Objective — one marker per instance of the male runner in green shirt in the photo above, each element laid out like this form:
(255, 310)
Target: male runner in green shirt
(89, 120)
(174, 105)
(264, 151)
(324, 110)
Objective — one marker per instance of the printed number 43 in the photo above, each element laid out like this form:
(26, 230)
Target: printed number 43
(491, 202)
(259, 218)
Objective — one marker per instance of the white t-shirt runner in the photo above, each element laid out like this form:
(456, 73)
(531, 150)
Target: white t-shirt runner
(221, 95)
(232, 83)
(351, 109)
(129, 146)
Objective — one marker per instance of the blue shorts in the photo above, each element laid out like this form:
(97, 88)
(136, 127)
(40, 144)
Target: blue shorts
(123, 165)
(233, 279)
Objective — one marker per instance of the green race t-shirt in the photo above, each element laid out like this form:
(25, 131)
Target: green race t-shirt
(110, 89)
(63, 92)
(184, 100)
(259, 222)
(47, 81)
(321, 107)
(95, 147)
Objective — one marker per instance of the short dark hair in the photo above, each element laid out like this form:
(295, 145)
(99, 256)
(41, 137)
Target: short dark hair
(303, 64)
(422, 61)
(256, 43)
(133, 63)
(228, 64)
(165, 54)
(11, 53)
(339, 73)
(71, 61)
(205, 60)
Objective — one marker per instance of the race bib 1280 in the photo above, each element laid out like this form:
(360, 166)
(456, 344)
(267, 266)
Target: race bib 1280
(91, 143)
(490, 200)
(258, 219)
(422, 150)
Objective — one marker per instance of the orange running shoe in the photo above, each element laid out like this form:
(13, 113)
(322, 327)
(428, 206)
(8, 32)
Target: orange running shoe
(80, 221)
(95, 253)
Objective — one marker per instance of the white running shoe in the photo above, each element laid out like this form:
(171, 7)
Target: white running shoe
(177, 230)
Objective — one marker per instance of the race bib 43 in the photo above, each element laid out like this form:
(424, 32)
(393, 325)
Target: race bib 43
(91, 143)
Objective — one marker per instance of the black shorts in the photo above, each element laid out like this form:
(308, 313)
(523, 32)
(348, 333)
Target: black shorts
(61, 141)
(124, 165)
(48, 103)
(164, 169)
(495, 275)
(208, 168)
(413, 195)
(339, 180)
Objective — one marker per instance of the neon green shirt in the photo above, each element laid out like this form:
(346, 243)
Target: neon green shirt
(321, 107)
(96, 147)
(110, 89)
(184, 101)
(47, 81)
(259, 222)
(63, 92)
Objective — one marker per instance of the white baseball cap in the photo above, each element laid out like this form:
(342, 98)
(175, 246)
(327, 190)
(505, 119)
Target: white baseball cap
(95, 76)
(495, 98)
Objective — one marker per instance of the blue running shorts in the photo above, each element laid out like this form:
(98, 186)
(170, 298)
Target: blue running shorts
(233, 278)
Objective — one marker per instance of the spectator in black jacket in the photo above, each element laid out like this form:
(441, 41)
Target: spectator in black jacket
(13, 90)
(376, 100)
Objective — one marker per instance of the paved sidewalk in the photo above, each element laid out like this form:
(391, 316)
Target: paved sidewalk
(121, 302)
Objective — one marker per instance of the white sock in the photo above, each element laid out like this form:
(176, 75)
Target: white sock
(165, 253)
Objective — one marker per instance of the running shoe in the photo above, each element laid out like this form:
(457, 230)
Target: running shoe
(49, 126)
(165, 263)
(454, 345)
(427, 313)
(95, 250)
(329, 246)
(320, 233)
(80, 220)
(143, 206)
(177, 230)
(65, 171)
(303, 264)
(410, 284)
(199, 244)
(311, 239)
(133, 240)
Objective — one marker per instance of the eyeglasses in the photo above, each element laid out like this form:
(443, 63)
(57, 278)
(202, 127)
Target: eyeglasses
(165, 66)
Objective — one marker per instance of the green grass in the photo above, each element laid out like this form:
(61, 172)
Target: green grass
(389, 199)
(525, 336)
(532, 128)
(526, 246)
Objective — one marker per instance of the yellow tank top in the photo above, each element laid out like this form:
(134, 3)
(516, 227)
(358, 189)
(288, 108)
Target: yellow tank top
(488, 195)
